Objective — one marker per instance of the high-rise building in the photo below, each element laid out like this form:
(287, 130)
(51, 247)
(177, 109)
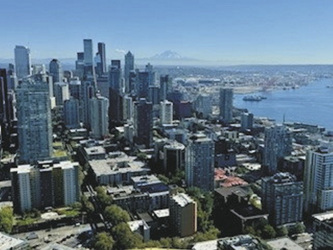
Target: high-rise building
(173, 157)
(61, 92)
(183, 214)
(282, 197)
(72, 113)
(151, 74)
(128, 108)
(246, 121)
(55, 70)
(203, 105)
(88, 57)
(278, 144)
(22, 61)
(115, 93)
(143, 122)
(199, 162)
(79, 64)
(226, 104)
(88, 92)
(165, 86)
(323, 231)
(45, 184)
(34, 120)
(166, 112)
(101, 65)
(142, 84)
(4, 102)
(99, 120)
(318, 181)
(129, 66)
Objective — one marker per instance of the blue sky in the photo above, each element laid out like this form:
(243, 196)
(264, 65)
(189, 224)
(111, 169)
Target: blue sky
(227, 31)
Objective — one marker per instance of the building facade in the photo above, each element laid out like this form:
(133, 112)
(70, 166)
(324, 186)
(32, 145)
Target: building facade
(22, 61)
(226, 104)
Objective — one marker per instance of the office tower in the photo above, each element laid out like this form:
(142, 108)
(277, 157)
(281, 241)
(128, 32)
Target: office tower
(61, 92)
(166, 112)
(141, 84)
(226, 100)
(128, 108)
(99, 120)
(72, 113)
(183, 214)
(34, 120)
(79, 64)
(55, 70)
(165, 86)
(143, 122)
(278, 144)
(199, 162)
(38, 69)
(88, 92)
(282, 197)
(88, 57)
(129, 66)
(323, 231)
(12, 79)
(154, 94)
(22, 61)
(4, 102)
(151, 74)
(101, 62)
(45, 184)
(173, 157)
(132, 82)
(203, 105)
(115, 94)
(318, 181)
(75, 88)
(246, 121)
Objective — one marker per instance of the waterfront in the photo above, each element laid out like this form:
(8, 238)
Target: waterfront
(311, 104)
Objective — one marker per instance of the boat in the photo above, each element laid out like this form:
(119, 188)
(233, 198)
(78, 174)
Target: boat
(253, 98)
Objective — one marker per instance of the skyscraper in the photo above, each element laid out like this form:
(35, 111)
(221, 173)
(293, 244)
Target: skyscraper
(115, 93)
(318, 181)
(88, 57)
(226, 104)
(129, 66)
(166, 112)
(283, 198)
(22, 61)
(55, 70)
(142, 84)
(165, 86)
(199, 162)
(34, 120)
(246, 121)
(88, 92)
(278, 144)
(71, 113)
(143, 122)
(99, 120)
(101, 66)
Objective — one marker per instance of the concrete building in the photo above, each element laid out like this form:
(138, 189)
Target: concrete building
(117, 169)
(55, 70)
(44, 184)
(282, 198)
(318, 181)
(143, 122)
(34, 120)
(199, 162)
(173, 157)
(99, 120)
(246, 121)
(278, 144)
(166, 112)
(72, 113)
(183, 214)
(22, 61)
(226, 104)
(61, 92)
(129, 66)
(323, 231)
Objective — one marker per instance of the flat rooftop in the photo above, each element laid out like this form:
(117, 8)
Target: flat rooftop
(182, 199)
(8, 242)
(284, 243)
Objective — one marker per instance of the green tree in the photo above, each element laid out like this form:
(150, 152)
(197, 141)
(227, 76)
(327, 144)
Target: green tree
(105, 199)
(298, 228)
(6, 219)
(281, 231)
(249, 230)
(125, 238)
(268, 232)
(115, 215)
(104, 241)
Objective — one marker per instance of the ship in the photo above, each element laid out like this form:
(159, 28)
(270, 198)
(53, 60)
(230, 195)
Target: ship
(253, 98)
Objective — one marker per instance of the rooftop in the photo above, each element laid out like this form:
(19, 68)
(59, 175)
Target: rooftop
(8, 242)
(182, 199)
(162, 213)
(328, 216)
(284, 243)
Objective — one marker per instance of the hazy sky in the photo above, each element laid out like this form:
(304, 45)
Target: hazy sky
(229, 31)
